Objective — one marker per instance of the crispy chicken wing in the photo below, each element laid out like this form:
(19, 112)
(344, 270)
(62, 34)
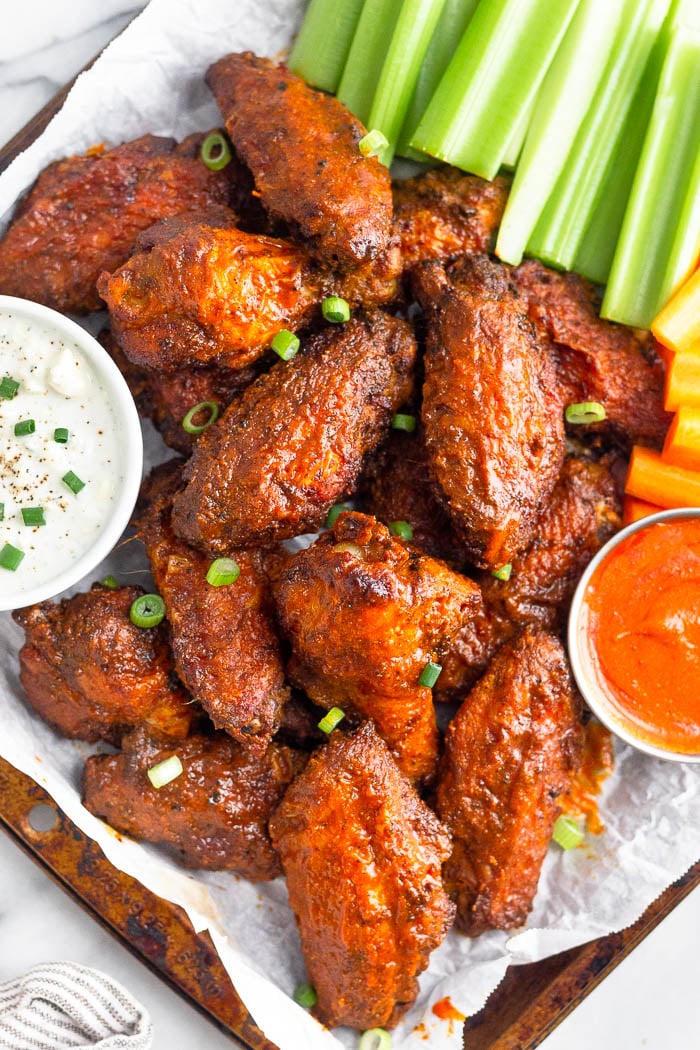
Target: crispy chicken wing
(364, 614)
(84, 213)
(224, 641)
(214, 815)
(362, 858)
(91, 673)
(581, 515)
(510, 751)
(444, 212)
(597, 360)
(294, 443)
(492, 415)
(302, 148)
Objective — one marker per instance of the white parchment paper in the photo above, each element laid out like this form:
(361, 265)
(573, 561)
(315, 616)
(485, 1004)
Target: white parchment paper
(151, 80)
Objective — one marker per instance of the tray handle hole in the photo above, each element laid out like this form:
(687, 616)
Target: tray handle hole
(42, 818)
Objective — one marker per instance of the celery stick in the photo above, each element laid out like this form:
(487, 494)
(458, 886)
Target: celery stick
(493, 77)
(366, 56)
(414, 29)
(560, 107)
(660, 236)
(515, 146)
(559, 231)
(448, 33)
(323, 42)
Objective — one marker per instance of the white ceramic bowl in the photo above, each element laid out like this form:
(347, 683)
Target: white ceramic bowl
(127, 470)
(584, 673)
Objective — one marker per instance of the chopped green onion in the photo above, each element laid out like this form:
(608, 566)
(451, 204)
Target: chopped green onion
(334, 513)
(401, 65)
(24, 427)
(373, 143)
(10, 557)
(330, 720)
(335, 309)
(567, 833)
(305, 995)
(491, 81)
(215, 151)
(33, 516)
(110, 581)
(147, 611)
(375, 1039)
(73, 482)
(366, 56)
(222, 572)
(8, 388)
(401, 529)
(504, 573)
(188, 423)
(321, 48)
(585, 412)
(61, 435)
(430, 674)
(285, 344)
(404, 422)
(164, 772)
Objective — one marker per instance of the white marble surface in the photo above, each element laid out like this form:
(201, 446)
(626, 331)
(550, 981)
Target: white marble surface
(650, 1001)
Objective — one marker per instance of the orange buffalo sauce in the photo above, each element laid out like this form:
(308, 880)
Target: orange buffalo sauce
(641, 621)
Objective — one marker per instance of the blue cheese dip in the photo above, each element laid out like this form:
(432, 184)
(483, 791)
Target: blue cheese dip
(62, 455)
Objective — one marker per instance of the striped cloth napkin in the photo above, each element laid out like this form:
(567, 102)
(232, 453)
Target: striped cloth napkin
(59, 1005)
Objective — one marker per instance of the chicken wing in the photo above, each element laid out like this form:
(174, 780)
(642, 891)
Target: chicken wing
(91, 673)
(510, 751)
(302, 148)
(213, 815)
(597, 360)
(224, 642)
(364, 614)
(84, 213)
(294, 443)
(491, 411)
(362, 858)
(443, 213)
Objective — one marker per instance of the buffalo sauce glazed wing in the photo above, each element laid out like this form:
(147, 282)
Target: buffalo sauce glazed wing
(213, 815)
(510, 751)
(91, 673)
(276, 461)
(364, 614)
(302, 148)
(362, 857)
(84, 213)
(224, 641)
(492, 415)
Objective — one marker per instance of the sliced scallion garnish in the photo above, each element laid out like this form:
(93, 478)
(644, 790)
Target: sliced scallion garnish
(375, 1039)
(334, 513)
(331, 719)
(215, 151)
(504, 573)
(335, 309)
(188, 423)
(401, 529)
(164, 772)
(403, 421)
(2, 511)
(585, 412)
(222, 572)
(430, 674)
(305, 995)
(567, 833)
(373, 143)
(10, 557)
(147, 610)
(61, 435)
(110, 581)
(8, 388)
(286, 344)
(33, 516)
(73, 482)
(24, 427)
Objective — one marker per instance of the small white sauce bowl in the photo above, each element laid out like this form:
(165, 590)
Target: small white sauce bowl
(584, 673)
(131, 442)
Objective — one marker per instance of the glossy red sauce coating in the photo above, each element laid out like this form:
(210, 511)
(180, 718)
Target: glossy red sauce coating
(641, 621)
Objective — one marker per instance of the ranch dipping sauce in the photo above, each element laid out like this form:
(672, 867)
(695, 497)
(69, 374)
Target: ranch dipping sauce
(62, 455)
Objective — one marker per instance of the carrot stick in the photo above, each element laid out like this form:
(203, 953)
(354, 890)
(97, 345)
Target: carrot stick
(682, 445)
(678, 324)
(651, 479)
(633, 509)
(683, 379)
